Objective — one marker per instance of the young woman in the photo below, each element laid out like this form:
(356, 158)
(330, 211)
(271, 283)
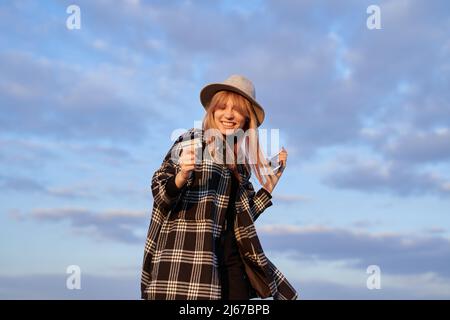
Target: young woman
(202, 242)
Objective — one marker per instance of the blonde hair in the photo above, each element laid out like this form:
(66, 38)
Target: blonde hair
(254, 158)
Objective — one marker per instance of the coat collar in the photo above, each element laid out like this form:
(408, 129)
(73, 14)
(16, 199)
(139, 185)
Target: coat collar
(243, 172)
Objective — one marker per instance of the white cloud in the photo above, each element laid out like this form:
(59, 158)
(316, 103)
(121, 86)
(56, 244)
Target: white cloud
(395, 253)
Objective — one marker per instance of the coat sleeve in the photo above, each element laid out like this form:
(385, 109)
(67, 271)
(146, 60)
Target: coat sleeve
(164, 190)
(259, 201)
(165, 194)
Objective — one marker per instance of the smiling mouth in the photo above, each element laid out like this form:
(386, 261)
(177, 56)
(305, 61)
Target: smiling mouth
(228, 124)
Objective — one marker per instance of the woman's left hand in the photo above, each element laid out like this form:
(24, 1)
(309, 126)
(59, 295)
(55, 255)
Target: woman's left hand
(272, 180)
(282, 159)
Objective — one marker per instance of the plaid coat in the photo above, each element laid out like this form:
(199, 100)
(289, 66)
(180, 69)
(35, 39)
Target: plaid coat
(180, 256)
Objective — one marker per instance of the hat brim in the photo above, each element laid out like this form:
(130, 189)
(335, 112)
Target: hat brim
(207, 93)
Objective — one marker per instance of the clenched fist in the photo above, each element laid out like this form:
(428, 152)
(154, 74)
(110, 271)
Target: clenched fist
(187, 164)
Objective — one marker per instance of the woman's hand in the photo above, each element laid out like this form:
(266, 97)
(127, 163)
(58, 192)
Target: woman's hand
(282, 160)
(272, 180)
(187, 164)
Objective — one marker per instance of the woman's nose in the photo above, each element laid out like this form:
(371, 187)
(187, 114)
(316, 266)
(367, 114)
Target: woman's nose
(229, 113)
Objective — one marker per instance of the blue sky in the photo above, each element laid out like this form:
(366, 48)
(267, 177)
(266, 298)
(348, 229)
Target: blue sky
(86, 118)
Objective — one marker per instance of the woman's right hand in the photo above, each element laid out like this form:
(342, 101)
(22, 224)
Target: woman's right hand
(187, 164)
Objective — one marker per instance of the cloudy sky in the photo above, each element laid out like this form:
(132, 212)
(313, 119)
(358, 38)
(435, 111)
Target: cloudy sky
(87, 116)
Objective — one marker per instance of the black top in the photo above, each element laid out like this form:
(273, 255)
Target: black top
(228, 245)
(231, 210)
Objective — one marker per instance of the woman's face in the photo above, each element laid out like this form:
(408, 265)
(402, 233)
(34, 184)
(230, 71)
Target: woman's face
(228, 119)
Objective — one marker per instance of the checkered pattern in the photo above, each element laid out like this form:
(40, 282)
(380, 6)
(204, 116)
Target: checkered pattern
(180, 260)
